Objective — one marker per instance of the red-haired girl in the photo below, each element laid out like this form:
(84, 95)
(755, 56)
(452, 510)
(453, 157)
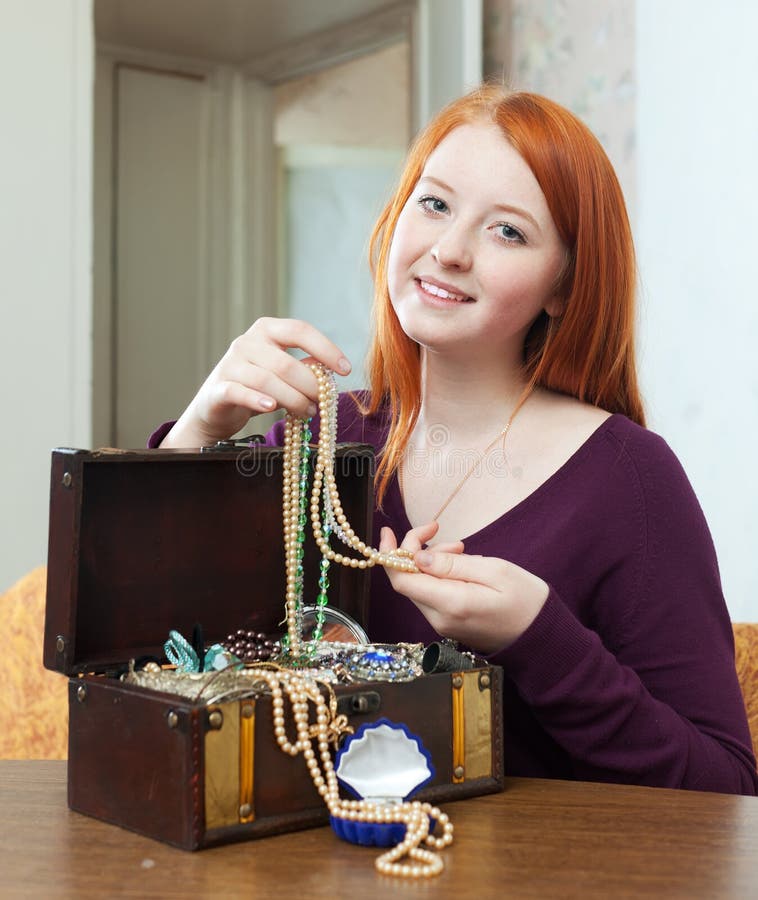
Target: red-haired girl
(552, 531)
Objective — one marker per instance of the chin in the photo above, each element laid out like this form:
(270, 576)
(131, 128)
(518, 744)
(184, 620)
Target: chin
(437, 338)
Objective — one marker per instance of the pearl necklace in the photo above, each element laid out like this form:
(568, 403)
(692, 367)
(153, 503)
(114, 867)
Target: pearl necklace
(473, 467)
(302, 691)
(296, 436)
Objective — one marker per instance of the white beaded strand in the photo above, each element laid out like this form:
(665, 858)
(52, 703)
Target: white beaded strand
(290, 515)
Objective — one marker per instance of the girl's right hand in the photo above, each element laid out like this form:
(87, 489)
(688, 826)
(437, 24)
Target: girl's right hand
(257, 375)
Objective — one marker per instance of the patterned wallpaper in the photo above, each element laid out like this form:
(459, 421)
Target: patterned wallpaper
(578, 52)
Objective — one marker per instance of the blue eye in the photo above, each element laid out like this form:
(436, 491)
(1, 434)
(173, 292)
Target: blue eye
(432, 204)
(509, 234)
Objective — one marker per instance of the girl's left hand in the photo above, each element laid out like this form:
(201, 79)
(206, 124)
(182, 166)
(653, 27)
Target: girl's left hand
(481, 601)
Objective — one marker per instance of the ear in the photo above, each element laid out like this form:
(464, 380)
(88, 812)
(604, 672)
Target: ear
(555, 306)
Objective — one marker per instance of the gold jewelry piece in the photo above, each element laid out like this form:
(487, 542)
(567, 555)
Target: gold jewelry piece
(471, 469)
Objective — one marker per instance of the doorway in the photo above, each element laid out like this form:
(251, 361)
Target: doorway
(341, 136)
(196, 189)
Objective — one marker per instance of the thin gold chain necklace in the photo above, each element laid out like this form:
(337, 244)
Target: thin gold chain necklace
(501, 436)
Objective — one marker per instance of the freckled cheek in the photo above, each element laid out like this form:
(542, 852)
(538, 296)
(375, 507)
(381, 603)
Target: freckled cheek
(514, 290)
(519, 299)
(529, 285)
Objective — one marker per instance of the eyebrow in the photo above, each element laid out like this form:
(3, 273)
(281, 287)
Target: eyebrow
(502, 207)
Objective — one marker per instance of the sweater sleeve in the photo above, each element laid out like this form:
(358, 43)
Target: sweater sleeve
(350, 423)
(274, 436)
(159, 434)
(651, 696)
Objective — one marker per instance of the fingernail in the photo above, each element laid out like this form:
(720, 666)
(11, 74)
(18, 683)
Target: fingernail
(312, 409)
(267, 403)
(423, 558)
(344, 366)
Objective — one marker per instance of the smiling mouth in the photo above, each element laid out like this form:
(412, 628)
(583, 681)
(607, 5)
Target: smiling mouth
(442, 293)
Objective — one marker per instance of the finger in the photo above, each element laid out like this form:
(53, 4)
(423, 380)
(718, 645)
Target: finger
(387, 540)
(459, 567)
(255, 382)
(417, 537)
(452, 547)
(276, 372)
(295, 333)
(232, 393)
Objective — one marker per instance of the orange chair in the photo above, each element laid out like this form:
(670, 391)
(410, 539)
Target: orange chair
(33, 701)
(746, 659)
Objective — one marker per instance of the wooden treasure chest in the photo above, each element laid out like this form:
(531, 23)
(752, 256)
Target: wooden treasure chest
(145, 542)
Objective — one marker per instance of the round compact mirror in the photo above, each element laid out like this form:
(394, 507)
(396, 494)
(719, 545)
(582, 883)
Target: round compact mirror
(338, 627)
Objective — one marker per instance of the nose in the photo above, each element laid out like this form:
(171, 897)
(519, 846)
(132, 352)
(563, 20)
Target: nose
(452, 250)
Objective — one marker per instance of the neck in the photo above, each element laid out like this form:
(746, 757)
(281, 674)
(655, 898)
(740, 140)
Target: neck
(472, 402)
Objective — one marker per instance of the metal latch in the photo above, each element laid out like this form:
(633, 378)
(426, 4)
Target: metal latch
(242, 443)
(363, 703)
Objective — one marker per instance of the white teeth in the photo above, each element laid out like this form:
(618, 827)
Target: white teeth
(441, 292)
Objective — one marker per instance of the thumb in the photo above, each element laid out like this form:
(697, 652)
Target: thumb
(430, 561)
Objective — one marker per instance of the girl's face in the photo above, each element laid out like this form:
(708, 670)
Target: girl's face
(475, 254)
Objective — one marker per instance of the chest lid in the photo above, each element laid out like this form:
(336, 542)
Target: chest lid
(141, 542)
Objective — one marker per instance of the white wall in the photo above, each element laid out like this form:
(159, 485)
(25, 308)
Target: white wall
(697, 230)
(46, 52)
(361, 103)
(580, 53)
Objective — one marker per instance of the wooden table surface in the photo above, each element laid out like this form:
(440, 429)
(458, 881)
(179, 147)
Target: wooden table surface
(538, 839)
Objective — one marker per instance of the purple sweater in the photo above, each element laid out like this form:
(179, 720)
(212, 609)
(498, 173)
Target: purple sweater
(627, 673)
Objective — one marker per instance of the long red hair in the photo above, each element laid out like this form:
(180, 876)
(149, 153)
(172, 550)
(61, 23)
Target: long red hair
(588, 351)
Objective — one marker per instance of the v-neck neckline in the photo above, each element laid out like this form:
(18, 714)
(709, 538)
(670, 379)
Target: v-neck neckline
(397, 498)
